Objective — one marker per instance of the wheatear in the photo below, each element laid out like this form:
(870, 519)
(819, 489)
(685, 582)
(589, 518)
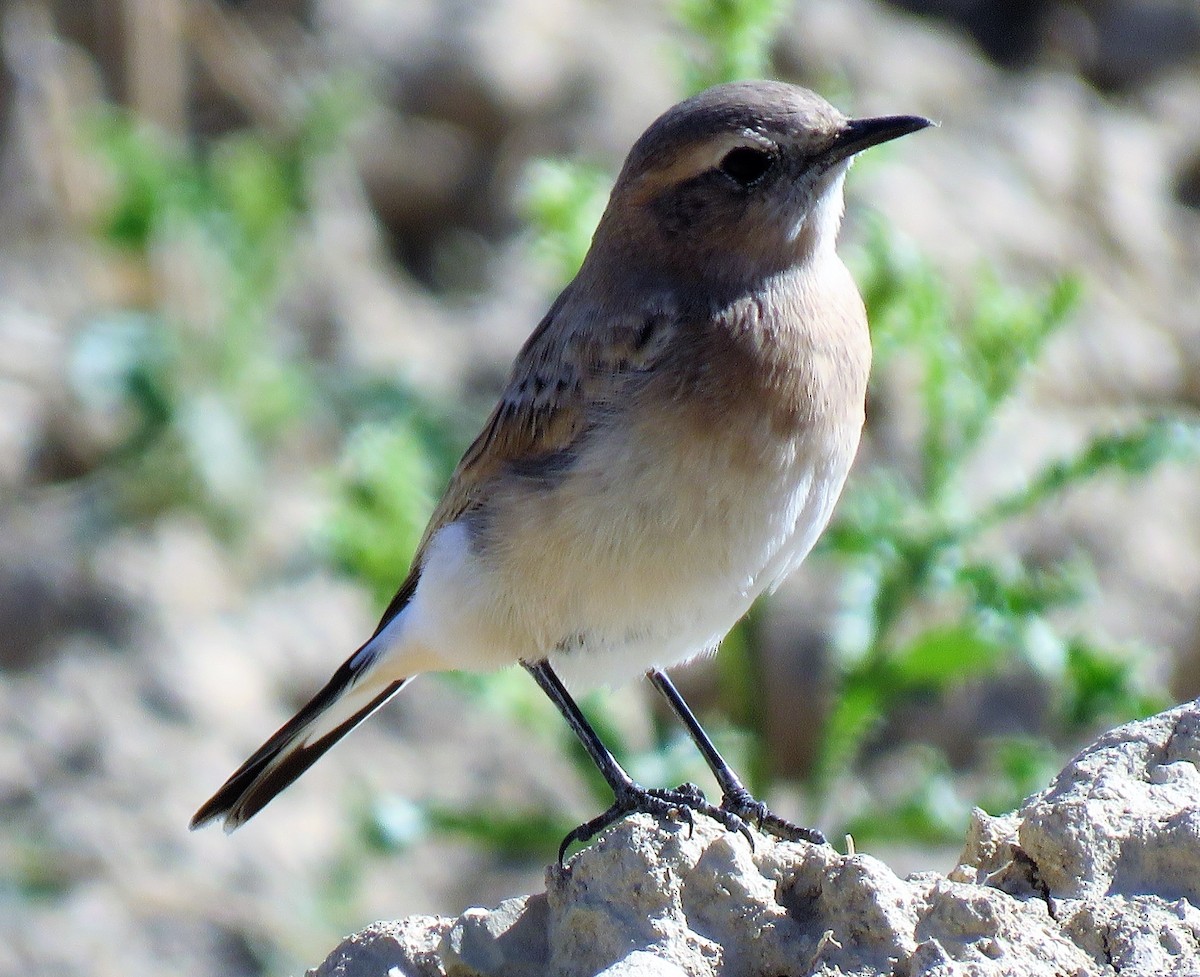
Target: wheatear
(671, 442)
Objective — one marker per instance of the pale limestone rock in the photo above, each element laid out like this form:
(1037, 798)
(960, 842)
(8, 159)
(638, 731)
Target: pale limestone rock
(1098, 874)
(404, 948)
(1112, 847)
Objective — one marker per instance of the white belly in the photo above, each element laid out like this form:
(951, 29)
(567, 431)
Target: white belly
(641, 557)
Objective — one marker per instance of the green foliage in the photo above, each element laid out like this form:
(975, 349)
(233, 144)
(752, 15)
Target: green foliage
(967, 369)
(517, 833)
(929, 605)
(1014, 767)
(563, 201)
(739, 671)
(924, 805)
(726, 40)
(1101, 687)
(199, 386)
(384, 493)
(195, 385)
(515, 698)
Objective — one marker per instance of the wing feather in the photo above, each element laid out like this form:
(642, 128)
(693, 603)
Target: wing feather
(577, 359)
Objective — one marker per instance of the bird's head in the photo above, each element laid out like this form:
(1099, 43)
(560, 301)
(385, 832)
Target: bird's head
(741, 179)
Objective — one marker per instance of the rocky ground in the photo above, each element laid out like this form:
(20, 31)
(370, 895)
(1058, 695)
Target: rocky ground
(140, 664)
(1095, 875)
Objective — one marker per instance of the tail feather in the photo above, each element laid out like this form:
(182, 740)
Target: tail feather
(344, 702)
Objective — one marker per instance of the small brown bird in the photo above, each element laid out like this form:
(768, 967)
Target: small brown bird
(671, 442)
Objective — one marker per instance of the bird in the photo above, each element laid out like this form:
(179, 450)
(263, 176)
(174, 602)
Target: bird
(669, 445)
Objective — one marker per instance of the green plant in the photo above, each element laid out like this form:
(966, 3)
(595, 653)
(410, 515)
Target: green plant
(383, 495)
(930, 604)
(726, 40)
(191, 376)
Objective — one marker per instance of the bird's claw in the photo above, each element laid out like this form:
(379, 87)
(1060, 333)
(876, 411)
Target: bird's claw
(742, 805)
(682, 803)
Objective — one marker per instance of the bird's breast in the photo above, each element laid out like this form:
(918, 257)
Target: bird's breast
(660, 535)
(683, 500)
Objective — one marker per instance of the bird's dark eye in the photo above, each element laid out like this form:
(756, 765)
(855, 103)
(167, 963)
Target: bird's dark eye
(745, 165)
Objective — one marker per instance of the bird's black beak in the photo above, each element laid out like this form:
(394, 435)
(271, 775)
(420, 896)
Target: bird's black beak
(860, 134)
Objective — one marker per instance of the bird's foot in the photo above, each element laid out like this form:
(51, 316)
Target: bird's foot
(682, 803)
(743, 806)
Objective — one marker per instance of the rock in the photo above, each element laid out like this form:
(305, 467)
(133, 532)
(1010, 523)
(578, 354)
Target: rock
(511, 937)
(1097, 874)
(1112, 846)
(408, 947)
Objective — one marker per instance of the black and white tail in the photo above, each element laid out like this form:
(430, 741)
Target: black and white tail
(345, 701)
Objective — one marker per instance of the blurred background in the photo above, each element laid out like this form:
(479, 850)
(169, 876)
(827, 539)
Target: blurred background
(263, 267)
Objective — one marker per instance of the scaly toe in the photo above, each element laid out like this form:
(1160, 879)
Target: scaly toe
(682, 803)
(744, 806)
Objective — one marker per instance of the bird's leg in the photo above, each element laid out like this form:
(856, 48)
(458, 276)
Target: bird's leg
(630, 797)
(735, 798)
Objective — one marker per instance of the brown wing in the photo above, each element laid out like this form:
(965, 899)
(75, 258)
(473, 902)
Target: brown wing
(576, 358)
